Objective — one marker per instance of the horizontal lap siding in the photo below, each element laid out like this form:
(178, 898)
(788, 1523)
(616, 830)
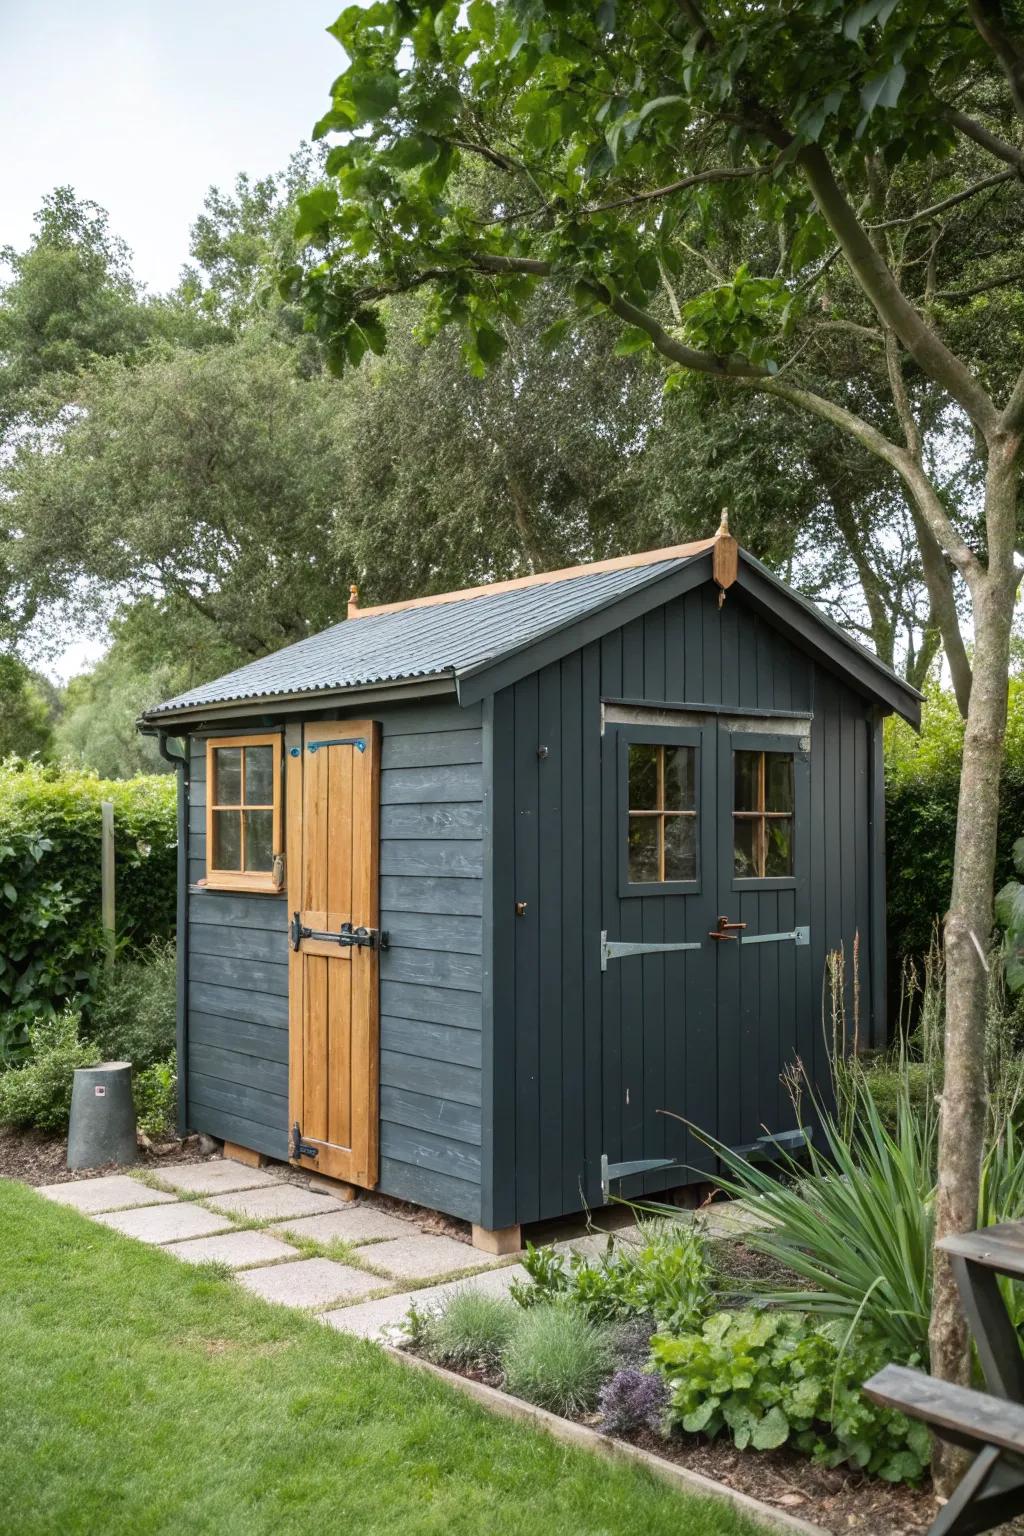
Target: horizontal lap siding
(431, 906)
(431, 863)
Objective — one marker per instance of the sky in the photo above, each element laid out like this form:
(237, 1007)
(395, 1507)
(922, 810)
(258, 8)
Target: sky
(142, 107)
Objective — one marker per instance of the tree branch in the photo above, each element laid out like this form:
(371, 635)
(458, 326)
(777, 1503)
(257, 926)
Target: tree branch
(881, 288)
(723, 173)
(947, 202)
(971, 129)
(1004, 42)
(1012, 419)
(950, 296)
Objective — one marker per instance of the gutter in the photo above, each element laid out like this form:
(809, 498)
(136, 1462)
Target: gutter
(180, 763)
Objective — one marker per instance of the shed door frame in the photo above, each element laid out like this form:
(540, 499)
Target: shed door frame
(342, 1042)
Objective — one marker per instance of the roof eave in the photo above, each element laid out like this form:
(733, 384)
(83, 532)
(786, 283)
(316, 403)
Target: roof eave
(392, 691)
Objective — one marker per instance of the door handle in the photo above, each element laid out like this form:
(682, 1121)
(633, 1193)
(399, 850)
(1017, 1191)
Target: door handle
(726, 929)
(346, 936)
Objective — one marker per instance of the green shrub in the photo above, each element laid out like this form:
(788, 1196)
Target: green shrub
(887, 1080)
(772, 1379)
(133, 1013)
(666, 1276)
(51, 941)
(557, 1359)
(472, 1328)
(922, 785)
(155, 1092)
(38, 1093)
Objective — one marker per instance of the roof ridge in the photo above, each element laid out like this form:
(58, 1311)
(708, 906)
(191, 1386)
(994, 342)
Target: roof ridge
(538, 579)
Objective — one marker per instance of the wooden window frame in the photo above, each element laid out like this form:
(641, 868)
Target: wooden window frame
(243, 879)
(619, 738)
(761, 816)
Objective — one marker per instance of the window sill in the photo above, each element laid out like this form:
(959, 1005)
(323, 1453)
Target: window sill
(247, 885)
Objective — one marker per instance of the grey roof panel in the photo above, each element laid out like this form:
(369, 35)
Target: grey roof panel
(411, 643)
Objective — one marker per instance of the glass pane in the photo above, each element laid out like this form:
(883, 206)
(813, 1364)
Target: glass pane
(227, 840)
(227, 766)
(643, 848)
(745, 835)
(259, 840)
(259, 776)
(680, 778)
(746, 769)
(643, 778)
(680, 847)
(778, 781)
(779, 854)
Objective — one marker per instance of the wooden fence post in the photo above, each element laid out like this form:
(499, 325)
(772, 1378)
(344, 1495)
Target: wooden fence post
(107, 878)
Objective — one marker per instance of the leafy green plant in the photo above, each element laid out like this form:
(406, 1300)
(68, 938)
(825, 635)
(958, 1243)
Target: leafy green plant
(471, 1328)
(51, 941)
(155, 1092)
(38, 1093)
(666, 1276)
(557, 1359)
(133, 1013)
(773, 1378)
(1009, 913)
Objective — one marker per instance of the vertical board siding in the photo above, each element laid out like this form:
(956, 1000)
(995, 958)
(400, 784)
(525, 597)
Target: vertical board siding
(431, 906)
(567, 1038)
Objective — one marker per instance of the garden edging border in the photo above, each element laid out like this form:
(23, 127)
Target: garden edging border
(611, 1449)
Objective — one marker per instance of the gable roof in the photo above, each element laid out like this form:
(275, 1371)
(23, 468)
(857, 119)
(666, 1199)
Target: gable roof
(470, 639)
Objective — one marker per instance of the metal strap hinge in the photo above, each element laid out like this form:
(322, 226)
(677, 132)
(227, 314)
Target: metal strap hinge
(612, 949)
(799, 936)
(610, 1171)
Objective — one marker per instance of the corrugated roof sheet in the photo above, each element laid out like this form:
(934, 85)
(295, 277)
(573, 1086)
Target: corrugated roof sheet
(444, 638)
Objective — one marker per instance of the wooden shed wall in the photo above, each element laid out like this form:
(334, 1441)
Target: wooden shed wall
(560, 1027)
(431, 904)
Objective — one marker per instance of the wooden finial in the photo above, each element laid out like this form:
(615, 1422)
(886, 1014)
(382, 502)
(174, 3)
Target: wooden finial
(353, 600)
(724, 556)
(723, 527)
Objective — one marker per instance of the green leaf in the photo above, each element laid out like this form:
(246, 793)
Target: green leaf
(883, 90)
(373, 96)
(10, 892)
(771, 1431)
(554, 334)
(316, 209)
(490, 344)
(633, 339)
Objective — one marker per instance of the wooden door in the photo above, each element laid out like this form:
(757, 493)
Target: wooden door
(333, 988)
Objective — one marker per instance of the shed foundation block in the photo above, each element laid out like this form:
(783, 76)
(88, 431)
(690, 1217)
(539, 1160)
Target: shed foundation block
(244, 1155)
(499, 1240)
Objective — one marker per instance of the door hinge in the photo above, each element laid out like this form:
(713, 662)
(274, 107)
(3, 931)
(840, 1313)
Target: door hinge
(346, 937)
(798, 936)
(613, 949)
(301, 1148)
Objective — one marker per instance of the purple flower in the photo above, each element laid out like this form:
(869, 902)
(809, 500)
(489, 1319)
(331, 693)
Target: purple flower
(632, 1400)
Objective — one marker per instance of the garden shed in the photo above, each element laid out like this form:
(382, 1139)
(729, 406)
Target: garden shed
(474, 887)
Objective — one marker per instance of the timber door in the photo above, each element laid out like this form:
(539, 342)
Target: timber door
(333, 976)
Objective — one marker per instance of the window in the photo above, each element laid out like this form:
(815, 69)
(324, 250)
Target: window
(243, 812)
(762, 815)
(662, 813)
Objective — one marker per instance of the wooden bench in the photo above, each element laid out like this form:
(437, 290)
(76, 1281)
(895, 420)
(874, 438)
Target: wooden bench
(993, 1489)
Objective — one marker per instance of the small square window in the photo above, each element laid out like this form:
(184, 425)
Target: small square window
(762, 815)
(243, 814)
(662, 795)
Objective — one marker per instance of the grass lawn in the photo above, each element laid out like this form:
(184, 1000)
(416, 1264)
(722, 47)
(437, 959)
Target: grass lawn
(141, 1395)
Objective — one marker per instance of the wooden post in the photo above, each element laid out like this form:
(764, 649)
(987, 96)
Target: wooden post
(107, 878)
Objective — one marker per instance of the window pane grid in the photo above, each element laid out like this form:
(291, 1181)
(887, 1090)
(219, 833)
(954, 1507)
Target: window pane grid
(662, 840)
(242, 830)
(763, 830)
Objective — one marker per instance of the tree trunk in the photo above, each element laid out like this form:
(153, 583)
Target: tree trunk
(967, 934)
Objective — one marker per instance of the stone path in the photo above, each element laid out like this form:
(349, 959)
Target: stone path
(357, 1266)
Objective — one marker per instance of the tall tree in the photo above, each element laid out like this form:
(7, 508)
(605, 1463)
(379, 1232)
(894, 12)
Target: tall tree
(858, 134)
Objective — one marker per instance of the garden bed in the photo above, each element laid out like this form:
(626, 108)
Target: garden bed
(786, 1484)
(35, 1157)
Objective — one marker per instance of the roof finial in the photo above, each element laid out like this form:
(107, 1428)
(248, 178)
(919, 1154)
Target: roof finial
(353, 600)
(723, 527)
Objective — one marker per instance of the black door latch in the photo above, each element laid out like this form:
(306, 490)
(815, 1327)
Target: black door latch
(346, 936)
(301, 1148)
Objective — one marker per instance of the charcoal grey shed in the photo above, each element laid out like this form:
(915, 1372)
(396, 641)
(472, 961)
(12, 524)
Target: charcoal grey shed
(473, 887)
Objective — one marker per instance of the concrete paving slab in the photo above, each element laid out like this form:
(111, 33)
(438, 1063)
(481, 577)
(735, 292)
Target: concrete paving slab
(353, 1224)
(118, 1192)
(238, 1249)
(730, 1218)
(219, 1176)
(382, 1319)
(422, 1256)
(308, 1282)
(277, 1204)
(166, 1223)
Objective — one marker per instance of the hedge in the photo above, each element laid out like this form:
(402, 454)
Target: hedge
(51, 937)
(922, 782)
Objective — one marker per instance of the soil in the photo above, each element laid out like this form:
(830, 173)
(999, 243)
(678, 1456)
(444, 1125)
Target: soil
(36, 1158)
